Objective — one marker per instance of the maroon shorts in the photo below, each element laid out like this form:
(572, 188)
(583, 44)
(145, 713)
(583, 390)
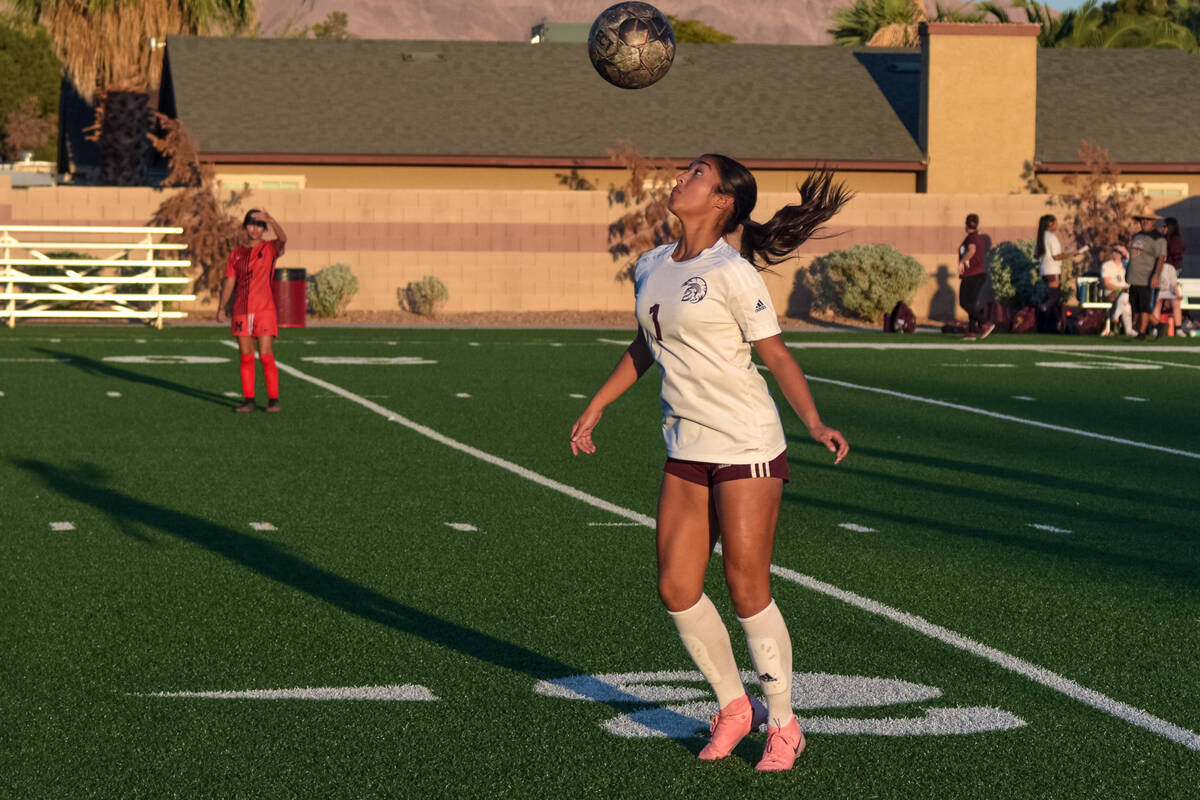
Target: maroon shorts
(706, 474)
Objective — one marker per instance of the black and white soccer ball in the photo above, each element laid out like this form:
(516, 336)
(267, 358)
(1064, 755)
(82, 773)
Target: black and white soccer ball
(631, 45)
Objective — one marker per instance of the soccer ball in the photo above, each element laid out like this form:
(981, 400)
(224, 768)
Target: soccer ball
(631, 45)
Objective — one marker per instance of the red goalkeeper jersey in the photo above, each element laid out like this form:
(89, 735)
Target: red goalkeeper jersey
(252, 267)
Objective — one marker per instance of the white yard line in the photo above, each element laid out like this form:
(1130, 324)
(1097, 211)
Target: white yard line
(1040, 675)
(1128, 359)
(1195, 351)
(1008, 417)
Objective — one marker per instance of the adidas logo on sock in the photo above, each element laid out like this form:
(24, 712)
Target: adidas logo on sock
(761, 306)
(767, 677)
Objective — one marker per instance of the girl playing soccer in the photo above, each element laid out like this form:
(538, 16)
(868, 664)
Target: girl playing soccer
(249, 271)
(700, 305)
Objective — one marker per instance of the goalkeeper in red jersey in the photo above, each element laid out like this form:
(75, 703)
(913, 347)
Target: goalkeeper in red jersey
(246, 299)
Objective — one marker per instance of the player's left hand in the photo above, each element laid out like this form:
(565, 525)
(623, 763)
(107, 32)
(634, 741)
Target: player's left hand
(833, 440)
(581, 432)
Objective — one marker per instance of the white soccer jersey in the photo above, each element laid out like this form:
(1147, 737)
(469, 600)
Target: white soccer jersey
(699, 318)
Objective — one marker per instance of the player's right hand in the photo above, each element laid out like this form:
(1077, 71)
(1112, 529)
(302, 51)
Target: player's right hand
(220, 315)
(581, 432)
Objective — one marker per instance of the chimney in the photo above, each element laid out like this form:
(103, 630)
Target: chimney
(978, 105)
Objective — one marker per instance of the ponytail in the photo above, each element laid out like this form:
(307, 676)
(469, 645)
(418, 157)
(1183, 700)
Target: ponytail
(769, 243)
(1039, 247)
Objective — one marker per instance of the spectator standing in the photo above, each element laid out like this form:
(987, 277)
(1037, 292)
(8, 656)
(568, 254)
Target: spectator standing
(1147, 254)
(1112, 275)
(972, 276)
(1049, 253)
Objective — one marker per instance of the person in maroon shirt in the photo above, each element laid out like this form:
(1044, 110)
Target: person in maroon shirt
(972, 276)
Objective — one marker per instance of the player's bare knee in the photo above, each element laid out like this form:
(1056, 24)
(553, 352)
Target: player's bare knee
(676, 596)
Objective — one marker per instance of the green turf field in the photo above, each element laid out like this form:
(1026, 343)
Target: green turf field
(405, 586)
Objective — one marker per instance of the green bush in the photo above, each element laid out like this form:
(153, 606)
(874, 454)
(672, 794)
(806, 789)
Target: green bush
(866, 280)
(330, 290)
(1015, 275)
(426, 296)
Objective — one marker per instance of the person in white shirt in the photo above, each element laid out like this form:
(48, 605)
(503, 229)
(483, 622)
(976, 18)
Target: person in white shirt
(1168, 299)
(701, 304)
(1112, 275)
(1049, 253)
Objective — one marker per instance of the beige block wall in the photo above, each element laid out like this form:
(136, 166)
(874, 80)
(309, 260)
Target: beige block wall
(980, 93)
(510, 250)
(334, 176)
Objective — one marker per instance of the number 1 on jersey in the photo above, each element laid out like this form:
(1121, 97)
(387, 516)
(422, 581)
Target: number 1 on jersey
(654, 316)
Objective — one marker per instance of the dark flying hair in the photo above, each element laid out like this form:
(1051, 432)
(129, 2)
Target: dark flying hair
(771, 242)
(250, 220)
(1039, 248)
(973, 221)
(1172, 226)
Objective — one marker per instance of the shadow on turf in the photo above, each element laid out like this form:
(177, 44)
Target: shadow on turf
(1183, 571)
(93, 367)
(84, 483)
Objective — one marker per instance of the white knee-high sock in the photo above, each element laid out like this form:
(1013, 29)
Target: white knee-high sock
(707, 641)
(771, 651)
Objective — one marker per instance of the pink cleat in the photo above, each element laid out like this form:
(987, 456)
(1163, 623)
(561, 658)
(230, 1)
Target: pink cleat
(731, 725)
(784, 745)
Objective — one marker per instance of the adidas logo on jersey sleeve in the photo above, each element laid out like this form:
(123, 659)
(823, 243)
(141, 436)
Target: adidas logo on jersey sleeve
(761, 306)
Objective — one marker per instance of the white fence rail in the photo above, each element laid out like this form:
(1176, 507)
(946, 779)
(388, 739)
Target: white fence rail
(39, 275)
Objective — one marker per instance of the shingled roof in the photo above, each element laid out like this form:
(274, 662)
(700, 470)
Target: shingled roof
(1143, 105)
(504, 100)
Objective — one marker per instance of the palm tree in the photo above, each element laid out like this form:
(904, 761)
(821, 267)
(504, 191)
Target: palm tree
(856, 25)
(1159, 24)
(112, 53)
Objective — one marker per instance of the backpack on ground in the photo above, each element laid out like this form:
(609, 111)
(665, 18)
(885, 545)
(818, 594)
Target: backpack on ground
(901, 320)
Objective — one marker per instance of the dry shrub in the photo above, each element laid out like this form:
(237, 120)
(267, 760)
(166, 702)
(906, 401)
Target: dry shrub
(211, 227)
(646, 223)
(25, 128)
(1099, 209)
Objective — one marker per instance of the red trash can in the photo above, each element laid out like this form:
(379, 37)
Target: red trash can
(289, 287)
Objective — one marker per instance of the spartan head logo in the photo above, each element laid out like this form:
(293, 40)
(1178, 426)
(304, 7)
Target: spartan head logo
(694, 290)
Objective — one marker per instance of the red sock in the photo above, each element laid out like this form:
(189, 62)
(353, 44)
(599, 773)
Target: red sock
(247, 375)
(271, 374)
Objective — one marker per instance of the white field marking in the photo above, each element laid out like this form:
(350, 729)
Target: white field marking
(55, 341)
(263, 526)
(34, 360)
(1102, 365)
(454, 444)
(1023, 397)
(62, 526)
(615, 524)
(982, 366)
(113, 394)
(233, 394)
(411, 692)
(1136, 399)
(1134, 360)
(140, 341)
(472, 344)
(1132, 715)
(672, 718)
(369, 360)
(624, 343)
(462, 526)
(851, 526)
(462, 394)
(977, 346)
(165, 359)
(309, 341)
(577, 396)
(393, 344)
(1043, 527)
(1041, 675)
(1008, 417)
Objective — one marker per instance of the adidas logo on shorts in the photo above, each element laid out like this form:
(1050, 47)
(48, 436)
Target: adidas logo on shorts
(761, 306)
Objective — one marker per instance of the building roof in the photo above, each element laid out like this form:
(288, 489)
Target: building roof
(433, 102)
(1142, 105)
